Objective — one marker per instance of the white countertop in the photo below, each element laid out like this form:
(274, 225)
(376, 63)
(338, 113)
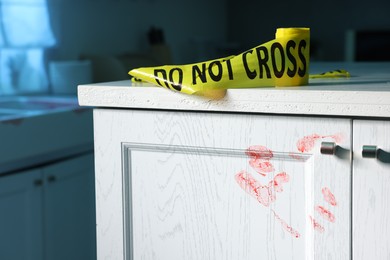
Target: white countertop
(365, 94)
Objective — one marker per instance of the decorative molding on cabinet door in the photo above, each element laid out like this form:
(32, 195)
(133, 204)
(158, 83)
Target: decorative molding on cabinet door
(276, 223)
(127, 203)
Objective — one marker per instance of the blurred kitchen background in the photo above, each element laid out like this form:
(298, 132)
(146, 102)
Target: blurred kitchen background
(114, 36)
(48, 47)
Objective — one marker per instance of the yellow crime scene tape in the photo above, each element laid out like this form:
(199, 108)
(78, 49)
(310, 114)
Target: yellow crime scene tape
(331, 74)
(283, 61)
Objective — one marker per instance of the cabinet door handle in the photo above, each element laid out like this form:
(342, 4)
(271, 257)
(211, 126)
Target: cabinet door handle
(38, 182)
(328, 148)
(51, 178)
(370, 151)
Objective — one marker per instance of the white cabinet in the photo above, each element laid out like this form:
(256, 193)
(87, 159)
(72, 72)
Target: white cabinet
(184, 185)
(48, 213)
(371, 190)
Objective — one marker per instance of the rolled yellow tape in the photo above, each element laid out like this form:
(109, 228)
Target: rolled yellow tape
(283, 61)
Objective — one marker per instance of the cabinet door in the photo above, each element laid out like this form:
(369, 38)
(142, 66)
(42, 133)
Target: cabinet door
(174, 185)
(69, 209)
(21, 216)
(371, 191)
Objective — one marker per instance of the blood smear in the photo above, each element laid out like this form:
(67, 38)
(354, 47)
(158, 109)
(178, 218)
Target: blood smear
(329, 197)
(261, 166)
(316, 225)
(249, 184)
(326, 214)
(296, 157)
(279, 180)
(286, 226)
(308, 142)
(259, 159)
(259, 152)
(263, 193)
(265, 196)
(254, 188)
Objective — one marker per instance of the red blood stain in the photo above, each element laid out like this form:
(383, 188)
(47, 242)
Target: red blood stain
(278, 181)
(254, 188)
(259, 159)
(317, 226)
(329, 197)
(259, 151)
(296, 157)
(286, 226)
(265, 194)
(326, 214)
(261, 166)
(308, 142)
(249, 184)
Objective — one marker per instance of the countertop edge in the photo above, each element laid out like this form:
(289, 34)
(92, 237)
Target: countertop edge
(294, 101)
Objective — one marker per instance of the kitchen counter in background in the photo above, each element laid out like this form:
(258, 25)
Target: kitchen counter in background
(38, 129)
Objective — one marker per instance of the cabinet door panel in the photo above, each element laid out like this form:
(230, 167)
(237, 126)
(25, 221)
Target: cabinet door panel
(21, 233)
(371, 192)
(221, 186)
(69, 209)
(197, 202)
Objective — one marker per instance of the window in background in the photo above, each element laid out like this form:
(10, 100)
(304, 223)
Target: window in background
(25, 34)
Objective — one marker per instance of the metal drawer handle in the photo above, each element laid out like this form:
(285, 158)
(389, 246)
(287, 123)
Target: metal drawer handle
(38, 182)
(328, 148)
(370, 151)
(51, 178)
